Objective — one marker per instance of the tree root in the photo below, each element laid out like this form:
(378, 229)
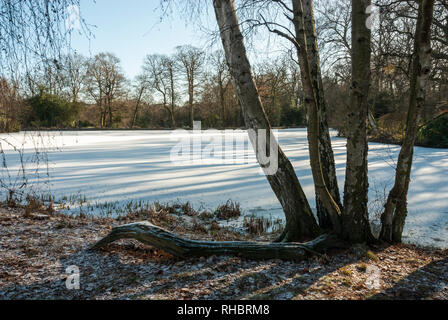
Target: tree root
(159, 238)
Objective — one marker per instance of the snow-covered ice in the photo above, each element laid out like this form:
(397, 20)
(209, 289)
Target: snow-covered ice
(116, 167)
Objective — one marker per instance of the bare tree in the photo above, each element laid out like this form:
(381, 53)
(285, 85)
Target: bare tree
(355, 217)
(191, 60)
(395, 211)
(104, 83)
(170, 69)
(141, 87)
(273, 76)
(74, 74)
(222, 78)
(35, 31)
(334, 25)
(321, 152)
(160, 72)
(300, 222)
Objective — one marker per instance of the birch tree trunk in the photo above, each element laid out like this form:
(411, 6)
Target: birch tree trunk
(355, 218)
(327, 218)
(321, 154)
(395, 211)
(300, 222)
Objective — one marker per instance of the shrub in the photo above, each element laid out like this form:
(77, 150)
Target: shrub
(229, 210)
(384, 103)
(51, 111)
(293, 117)
(435, 134)
(84, 124)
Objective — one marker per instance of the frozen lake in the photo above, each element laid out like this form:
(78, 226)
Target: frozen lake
(110, 169)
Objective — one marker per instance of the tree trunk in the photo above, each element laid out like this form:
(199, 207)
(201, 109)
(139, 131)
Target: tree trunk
(300, 222)
(311, 82)
(109, 108)
(221, 101)
(134, 117)
(137, 105)
(173, 119)
(328, 219)
(355, 217)
(191, 100)
(159, 238)
(395, 211)
(173, 99)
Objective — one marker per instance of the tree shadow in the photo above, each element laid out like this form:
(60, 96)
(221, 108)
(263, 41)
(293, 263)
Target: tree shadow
(126, 270)
(428, 282)
(303, 276)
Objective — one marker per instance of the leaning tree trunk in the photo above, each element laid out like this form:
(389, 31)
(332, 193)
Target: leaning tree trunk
(308, 60)
(327, 218)
(159, 238)
(137, 105)
(300, 222)
(395, 211)
(355, 217)
(134, 117)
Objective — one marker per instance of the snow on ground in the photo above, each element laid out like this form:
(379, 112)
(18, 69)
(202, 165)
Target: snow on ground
(111, 169)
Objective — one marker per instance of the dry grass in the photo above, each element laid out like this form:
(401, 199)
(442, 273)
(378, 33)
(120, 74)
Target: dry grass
(229, 210)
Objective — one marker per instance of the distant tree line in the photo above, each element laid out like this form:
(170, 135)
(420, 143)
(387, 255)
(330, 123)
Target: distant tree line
(173, 90)
(170, 92)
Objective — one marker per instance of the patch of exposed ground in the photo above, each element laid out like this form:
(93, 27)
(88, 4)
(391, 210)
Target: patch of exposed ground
(36, 249)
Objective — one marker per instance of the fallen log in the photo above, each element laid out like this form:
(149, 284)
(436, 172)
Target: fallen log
(159, 238)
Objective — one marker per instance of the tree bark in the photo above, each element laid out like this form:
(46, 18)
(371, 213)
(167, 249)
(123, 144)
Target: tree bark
(395, 211)
(329, 219)
(318, 135)
(159, 238)
(355, 217)
(300, 222)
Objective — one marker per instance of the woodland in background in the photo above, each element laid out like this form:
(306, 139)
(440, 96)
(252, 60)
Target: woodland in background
(94, 93)
(171, 91)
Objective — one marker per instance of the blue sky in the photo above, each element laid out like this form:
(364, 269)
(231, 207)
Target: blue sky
(132, 29)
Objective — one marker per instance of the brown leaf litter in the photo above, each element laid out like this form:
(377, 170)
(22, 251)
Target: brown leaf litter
(36, 249)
